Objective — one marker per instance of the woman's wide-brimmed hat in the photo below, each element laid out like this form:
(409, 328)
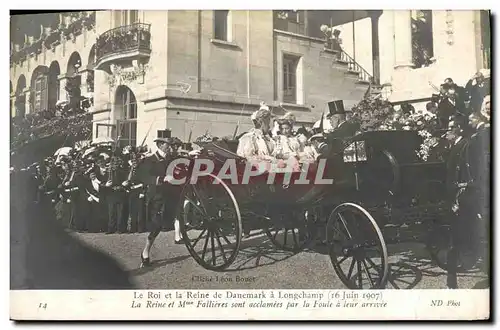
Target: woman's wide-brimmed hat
(263, 112)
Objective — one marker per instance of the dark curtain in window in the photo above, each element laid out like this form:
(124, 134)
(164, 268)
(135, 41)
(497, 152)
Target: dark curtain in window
(290, 79)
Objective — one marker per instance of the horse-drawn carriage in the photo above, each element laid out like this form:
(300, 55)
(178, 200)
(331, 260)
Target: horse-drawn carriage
(380, 192)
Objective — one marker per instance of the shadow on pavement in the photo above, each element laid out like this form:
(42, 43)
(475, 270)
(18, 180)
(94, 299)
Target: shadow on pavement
(155, 264)
(254, 252)
(44, 256)
(258, 252)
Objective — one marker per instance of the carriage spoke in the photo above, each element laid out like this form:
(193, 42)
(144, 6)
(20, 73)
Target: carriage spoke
(295, 241)
(275, 234)
(205, 246)
(345, 225)
(197, 193)
(360, 274)
(285, 236)
(391, 280)
(351, 268)
(195, 206)
(213, 247)
(338, 231)
(223, 236)
(199, 237)
(378, 270)
(342, 260)
(221, 247)
(370, 261)
(367, 271)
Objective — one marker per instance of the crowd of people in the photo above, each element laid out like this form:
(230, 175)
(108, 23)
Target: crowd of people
(464, 106)
(94, 188)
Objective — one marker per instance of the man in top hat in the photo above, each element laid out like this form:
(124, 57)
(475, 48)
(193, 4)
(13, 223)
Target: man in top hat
(338, 120)
(161, 198)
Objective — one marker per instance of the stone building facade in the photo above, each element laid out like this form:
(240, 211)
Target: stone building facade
(40, 68)
(204, 71)
(416, 49)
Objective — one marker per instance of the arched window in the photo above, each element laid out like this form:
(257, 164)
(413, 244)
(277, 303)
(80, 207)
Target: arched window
(41, 92)
(39, 89)
(126, 114)
(53, 82)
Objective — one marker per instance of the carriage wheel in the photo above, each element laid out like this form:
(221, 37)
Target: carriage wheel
(210, 223)
(439, 248)
(356, 244)
(288, 235)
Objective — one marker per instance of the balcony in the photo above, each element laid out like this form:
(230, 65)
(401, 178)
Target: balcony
(125, 43)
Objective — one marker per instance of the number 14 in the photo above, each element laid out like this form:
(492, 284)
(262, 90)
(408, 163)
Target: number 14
(42, 305)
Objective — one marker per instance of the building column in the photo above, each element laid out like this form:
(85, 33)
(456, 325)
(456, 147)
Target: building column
(28, 106)
(62, 84)
(403, 58)
(84, 86)
(374, 18)
(13, 110)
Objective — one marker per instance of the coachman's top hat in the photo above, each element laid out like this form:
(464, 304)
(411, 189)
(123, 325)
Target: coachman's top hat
(336, 107)
(164, 136)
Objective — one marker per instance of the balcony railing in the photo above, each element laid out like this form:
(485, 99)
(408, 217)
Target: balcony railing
(123, 40)
(70, 26)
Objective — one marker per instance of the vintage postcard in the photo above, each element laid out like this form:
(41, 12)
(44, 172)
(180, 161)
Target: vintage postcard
(250, 165)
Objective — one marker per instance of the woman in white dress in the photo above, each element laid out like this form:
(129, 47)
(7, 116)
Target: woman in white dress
(287, 145)
(257, 144)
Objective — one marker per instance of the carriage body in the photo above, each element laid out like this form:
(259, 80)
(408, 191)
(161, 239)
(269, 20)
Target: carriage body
(378, 170)
(380, 189)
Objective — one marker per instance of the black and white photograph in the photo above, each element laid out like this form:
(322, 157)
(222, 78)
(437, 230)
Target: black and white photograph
(344, 150)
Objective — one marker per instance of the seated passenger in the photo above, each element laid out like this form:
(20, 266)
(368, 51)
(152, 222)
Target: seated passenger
(257, 144)
(303, 134)
(287, 145)
(314, 147)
